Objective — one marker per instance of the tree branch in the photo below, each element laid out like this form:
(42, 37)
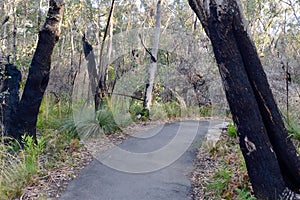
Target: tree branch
(153, 59)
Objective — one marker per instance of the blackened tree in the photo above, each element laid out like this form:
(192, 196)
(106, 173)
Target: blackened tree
(271, 158)
(22, 119)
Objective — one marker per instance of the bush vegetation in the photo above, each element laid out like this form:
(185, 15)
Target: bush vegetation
(21, 167)
(59, 136)
(227, 178)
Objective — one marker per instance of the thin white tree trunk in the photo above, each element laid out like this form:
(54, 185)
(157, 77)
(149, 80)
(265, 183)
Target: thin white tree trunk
(153, 61)
(102, 83)
(40, 13)
(15, 31)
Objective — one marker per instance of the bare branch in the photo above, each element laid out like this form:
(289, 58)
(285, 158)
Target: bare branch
(153, 59)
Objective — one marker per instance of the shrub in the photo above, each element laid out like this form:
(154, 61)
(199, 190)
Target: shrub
(292, 127)
(221, 180)
(232, 130)
(32, 152)
(172, 109)
(18, 168)
(92, 125)
(107, 122)
(51, 114)
(206, 111)
(228, 178)
(138, 112)
(158, 112)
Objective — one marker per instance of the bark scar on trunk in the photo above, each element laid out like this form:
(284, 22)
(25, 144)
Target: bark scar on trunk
(250, 146)
(221, 8)
(289, 195)
(264, 102)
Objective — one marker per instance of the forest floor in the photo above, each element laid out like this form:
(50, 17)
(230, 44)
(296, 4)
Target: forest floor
(220, 171)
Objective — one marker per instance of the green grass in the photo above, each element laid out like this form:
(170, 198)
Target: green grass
(220, 182)
(232, 130)
(293, 127)
(18, 168)
(229, 179)
(243, 194)
(173, 110)
(106, 121)
(52, 115)
(23, 167)
(92, 125)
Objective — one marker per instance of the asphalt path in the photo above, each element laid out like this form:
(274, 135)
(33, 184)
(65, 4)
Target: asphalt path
(152, 165)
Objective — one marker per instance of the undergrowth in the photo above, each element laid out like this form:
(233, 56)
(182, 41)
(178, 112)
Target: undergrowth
(167, 111)
(22, 167)
(58, 141)
(292, 126)
(227, 178)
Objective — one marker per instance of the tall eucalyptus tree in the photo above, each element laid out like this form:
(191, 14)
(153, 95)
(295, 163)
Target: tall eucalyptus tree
(153, 60)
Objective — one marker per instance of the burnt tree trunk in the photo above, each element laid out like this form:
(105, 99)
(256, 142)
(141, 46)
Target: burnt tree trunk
(27, 110)
(270, 156)
(9, 97)
(92, 71)
(285, 150)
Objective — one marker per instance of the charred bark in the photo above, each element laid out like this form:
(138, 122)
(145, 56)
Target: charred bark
(9, 96)
(285, 150)
(27, 111)
(92, 71)
(268, 152)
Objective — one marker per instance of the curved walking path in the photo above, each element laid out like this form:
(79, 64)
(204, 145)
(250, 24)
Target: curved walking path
(145, 173)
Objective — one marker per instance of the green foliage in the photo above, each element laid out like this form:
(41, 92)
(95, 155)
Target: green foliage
(32, 152)
(158, 112)
(232, 130)
(22, 167)
(138, 112)
(229, 179)
(13, 176)
(107, 122)
(205, 111)
(69, 128)
(19, 168)
(166, 111)
(12, 173)
(120, 113)
(52, 114)
(111, 73)
(293, 127)
(58, 149)
(172, 109)
(220, 184)
(243, 194)
(91, 125)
